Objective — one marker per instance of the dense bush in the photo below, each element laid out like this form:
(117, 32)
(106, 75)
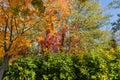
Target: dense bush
(94, 65)
(97, 66)
(21, 69)
(55, 67)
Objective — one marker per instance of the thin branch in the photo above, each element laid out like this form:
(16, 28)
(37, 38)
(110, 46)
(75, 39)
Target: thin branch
(16, 26)
(11, 35)
(25, 30)
(11, 30)
(5, 35)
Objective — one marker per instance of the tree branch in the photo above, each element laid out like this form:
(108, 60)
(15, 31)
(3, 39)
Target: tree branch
(11, 35)
(5, 33)
(16, 26)
(25, 30)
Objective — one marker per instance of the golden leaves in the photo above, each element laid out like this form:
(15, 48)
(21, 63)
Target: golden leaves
(40, 38)
(21, 15)
(17, 18)
(56, 13)
(1, 52)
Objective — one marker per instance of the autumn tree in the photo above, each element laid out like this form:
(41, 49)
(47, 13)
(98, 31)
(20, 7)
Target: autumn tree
(17, 17)
(78, 31)
(54, 24)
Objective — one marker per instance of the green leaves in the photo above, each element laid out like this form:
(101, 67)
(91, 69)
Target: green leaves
(86, 21)
(55, 67)
(38, 4)
(94, 65)
(21, 69)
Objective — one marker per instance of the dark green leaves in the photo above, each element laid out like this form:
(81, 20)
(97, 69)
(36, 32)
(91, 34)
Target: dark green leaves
(38, 4)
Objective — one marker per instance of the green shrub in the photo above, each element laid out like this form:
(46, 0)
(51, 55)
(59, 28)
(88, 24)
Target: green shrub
(21, 69)
(55, 67)
(97, 66)
(94, 65)
(90, 66)
(115, 65)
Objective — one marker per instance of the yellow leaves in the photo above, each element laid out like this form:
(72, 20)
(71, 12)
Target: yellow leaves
(56, 13)
(20, 44)
(27, 2)
(46, 50)
(54, 18)
(1, 52)
(21, 16)
(112, 50)
(1, 19)
(64, 6)
(23, 42)
(28, 43)
(58, 24)
(16, 3)
(40, 38)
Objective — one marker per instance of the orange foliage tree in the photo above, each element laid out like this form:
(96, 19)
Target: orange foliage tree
(17, 17)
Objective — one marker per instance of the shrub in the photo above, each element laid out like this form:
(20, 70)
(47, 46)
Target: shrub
(90, 66)
(55, 67)
(94, 65)
(21, 69)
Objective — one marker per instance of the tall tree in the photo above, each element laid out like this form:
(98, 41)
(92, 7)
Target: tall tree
(115, 28)
(83, 33)
(17, 17)
(115, 4)
(116, 25)
(85, 26)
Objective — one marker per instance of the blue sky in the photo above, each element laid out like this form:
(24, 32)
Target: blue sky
(111, 11)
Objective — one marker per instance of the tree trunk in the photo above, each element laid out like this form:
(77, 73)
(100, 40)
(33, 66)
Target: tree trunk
(114, 45)
(4, 66)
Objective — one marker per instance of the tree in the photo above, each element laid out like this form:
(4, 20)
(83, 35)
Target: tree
(115, 28)
(115, 4)
(54, 24)
(116, 25)
(78, 25)
(17, 17)
(85, 26)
